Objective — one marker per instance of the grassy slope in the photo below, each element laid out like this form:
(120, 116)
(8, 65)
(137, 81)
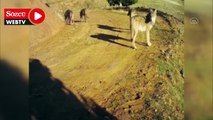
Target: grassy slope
(98, 63)
(172, 7)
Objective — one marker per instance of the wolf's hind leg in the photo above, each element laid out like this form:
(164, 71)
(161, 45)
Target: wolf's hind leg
(132, 34)
(72, 19)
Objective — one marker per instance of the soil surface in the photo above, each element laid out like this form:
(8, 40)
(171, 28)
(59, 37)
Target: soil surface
(95, 59)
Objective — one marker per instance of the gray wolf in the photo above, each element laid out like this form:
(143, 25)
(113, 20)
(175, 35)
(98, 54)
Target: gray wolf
(69, 17)
(142, 24)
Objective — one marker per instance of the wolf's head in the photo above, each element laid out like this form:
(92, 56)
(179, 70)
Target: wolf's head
(151, 16)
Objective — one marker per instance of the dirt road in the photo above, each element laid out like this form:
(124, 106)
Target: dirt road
(95, 59)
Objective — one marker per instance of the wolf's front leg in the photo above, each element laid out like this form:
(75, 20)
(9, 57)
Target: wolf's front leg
(148, 37)
(134, 38)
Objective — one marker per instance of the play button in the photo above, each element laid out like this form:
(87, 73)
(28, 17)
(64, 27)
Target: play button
(37, 16)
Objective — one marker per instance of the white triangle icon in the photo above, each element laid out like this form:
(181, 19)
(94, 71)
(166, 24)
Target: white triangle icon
(37, 16)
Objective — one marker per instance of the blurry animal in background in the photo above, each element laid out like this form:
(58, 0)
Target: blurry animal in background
(69, 17)
(83, 15)
(143, 24)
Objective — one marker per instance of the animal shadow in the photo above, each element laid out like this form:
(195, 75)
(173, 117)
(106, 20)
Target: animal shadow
(51, 100)
(114, 29)
(111, 39)
(77, 21)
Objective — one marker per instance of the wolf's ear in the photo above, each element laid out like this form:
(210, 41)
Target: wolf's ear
(155, 11)
(151, 10)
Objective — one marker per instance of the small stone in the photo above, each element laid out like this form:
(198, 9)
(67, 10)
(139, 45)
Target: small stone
(182, 73)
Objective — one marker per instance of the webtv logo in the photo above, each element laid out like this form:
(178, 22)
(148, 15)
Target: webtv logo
(23, 16)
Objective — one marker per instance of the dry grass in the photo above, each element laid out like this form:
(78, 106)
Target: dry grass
(95, 59)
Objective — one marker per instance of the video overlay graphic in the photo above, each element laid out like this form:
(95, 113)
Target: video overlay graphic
(23, 16)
